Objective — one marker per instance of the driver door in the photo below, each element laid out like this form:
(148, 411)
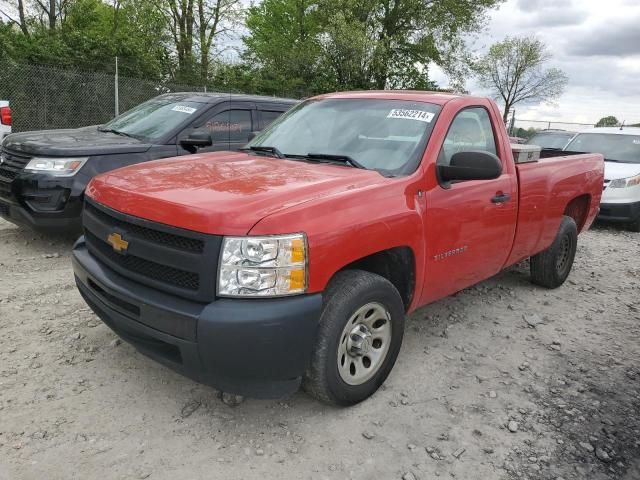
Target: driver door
(470, 224)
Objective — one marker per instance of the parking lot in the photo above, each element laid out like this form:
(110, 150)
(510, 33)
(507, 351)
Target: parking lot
(503, 380)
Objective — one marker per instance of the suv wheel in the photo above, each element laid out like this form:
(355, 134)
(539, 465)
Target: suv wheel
(358, 340)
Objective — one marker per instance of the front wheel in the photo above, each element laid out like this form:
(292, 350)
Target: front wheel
(358, 340)
(551, 267)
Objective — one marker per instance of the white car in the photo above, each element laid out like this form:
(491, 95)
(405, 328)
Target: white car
(5, 119)
(621, 149)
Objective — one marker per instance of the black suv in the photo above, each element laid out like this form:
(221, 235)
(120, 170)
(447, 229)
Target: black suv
(43, 174)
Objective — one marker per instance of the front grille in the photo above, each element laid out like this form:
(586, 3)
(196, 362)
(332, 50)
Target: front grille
(177, 261)
(12, 164)
(169, 239)
(146, 268)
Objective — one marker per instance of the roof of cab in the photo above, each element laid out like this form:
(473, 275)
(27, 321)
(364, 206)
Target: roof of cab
(214, 97)
(614, 130)
(439, 98)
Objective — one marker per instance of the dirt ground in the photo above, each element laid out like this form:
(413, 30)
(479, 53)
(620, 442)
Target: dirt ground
(503, 380)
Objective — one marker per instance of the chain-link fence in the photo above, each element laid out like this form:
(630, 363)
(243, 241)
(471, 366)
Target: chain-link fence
(46, 97)
(528, 128)
(551, 125)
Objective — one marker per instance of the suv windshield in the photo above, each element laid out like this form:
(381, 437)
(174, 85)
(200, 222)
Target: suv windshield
(384, 135)
(555, 141)
(153, 119)
(615, 147)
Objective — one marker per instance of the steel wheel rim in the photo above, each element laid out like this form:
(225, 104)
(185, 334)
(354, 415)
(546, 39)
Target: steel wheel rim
(565, 252)
(364, 344)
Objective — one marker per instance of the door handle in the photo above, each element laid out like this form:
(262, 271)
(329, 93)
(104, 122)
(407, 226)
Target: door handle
(501, 198)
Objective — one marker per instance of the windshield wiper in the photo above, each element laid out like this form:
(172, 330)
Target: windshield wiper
(117, 132)
(336, 158)
(265, 149)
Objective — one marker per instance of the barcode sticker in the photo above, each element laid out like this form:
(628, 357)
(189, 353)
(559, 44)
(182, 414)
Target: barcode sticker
(183, 109)
(419, 115)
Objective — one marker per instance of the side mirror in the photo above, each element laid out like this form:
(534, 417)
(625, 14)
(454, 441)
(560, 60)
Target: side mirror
(472, 165)
(252, 135)
(198, 139)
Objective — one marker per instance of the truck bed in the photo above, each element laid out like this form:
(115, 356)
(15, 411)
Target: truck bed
(550, 188)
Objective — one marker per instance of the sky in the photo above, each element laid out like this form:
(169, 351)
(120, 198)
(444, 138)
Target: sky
(595, 42)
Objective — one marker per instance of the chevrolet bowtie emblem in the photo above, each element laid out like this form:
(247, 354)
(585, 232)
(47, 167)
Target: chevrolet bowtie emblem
(119, 244)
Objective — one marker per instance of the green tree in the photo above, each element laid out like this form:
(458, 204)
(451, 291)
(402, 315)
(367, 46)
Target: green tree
(514, 70)
(89, 36)
(283, 44)
(609, 121)
(341, 44)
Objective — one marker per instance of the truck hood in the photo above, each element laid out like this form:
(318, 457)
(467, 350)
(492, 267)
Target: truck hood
(615, 170)
(76, 142)
(221, 193)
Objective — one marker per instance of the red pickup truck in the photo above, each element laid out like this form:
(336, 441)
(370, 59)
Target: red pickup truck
(296, 260)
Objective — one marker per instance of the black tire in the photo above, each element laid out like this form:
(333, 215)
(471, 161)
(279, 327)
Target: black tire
(551, 267)
(349, 291)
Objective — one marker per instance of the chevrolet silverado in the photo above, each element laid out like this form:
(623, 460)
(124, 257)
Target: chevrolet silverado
(295, 261)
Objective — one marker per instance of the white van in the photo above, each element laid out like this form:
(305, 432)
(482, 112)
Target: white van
(621, 149)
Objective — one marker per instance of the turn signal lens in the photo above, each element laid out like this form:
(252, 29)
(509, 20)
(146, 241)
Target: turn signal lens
(297, 250)
(296, 279)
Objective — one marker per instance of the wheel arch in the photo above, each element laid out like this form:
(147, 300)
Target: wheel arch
(578, 209)
(397, 264)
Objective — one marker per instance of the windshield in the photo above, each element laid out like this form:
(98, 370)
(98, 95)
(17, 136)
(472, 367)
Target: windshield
(384, 135)
(550, 140)
(153, 119)
(614, 147)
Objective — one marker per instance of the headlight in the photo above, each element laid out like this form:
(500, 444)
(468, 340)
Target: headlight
(271, 266)
(625, 182)
(60, 167)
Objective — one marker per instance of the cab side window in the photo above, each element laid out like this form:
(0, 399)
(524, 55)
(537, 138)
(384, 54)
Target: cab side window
(268, 117)
(470, 130)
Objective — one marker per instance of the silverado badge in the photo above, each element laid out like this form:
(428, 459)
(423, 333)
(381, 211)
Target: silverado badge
(118, 243)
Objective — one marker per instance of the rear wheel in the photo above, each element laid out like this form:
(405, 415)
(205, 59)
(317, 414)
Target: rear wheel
(551, 267)
(359, 338)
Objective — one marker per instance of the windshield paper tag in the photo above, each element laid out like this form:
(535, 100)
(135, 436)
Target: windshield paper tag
(183, 109)
(636, 142)
(419, 115)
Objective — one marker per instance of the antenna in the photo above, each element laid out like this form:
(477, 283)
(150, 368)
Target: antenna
(622, 126)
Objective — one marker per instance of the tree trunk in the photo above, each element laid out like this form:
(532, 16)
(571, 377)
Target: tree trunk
(52, 15)
(23, 23)
(204, 48)
(505, 115)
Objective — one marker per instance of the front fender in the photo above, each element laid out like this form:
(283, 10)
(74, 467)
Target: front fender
(352, 225)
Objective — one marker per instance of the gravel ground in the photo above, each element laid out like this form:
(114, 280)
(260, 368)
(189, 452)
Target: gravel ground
(503, 380)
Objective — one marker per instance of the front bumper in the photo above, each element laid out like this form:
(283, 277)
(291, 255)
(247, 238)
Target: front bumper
(67, 220)
(42, 202)
(620, 212)
(253, 347)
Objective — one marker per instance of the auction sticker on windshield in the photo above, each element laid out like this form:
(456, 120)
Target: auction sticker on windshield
(419, 115)
(183, 109)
